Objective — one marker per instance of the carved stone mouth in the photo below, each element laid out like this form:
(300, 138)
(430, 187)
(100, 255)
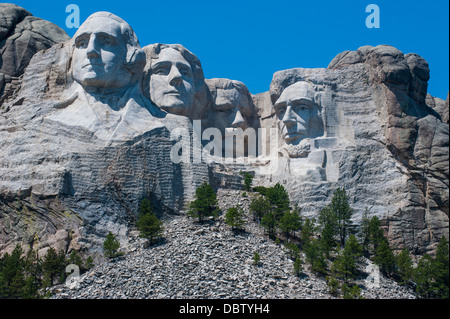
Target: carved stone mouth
(292, 135)
(91, 65)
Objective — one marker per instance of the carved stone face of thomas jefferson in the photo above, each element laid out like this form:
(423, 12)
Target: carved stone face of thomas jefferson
(298, 114)
(100, 54)
(172, 82)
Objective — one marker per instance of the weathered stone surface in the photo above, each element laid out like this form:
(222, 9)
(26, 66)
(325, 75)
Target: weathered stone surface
(21, 36)
(381, 141)
(63, 139)
(439, 105)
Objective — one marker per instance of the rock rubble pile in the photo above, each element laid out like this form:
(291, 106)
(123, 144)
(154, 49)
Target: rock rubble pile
(209, 261)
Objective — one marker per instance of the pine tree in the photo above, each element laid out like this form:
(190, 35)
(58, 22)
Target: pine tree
(351, 291)
(424, 277)
(259, 206)
(205, 203)
(12, 277)
(279, 199)
(33, 274)
(376, 235)
(53, 265)
(308, 230)
(256, 258)
(329, 229)
(384, 258)
(404, 267)
(248, 180)
(441, 269)
(345, 265)
(111, 246)
(333, 285)
(298, 266)
(145, 207)
(341, 208)
(150, 227)
(290, 222)
(75, 259)
(364, 233)
(315, 257)
(293, 250)
(234, 217)
(89, 263)
(269, 223)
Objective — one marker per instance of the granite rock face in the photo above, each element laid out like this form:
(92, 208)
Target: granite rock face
(382, 141)
(88, 155)
(89, 134)
(21, 36)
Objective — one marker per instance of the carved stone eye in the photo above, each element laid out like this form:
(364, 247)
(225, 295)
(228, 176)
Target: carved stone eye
(81, 44)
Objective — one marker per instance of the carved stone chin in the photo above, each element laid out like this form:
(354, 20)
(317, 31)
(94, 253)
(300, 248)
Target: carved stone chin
(301, 150)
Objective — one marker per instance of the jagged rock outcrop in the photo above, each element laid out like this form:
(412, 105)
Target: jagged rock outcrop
(381, 141)
(21, 36)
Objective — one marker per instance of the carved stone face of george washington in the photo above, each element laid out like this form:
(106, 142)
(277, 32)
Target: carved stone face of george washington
(101, 53)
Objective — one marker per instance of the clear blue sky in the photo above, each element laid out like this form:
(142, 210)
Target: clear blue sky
(249, 40)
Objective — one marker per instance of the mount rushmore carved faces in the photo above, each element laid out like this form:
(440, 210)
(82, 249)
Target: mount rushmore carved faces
(107, 65)
(174, 80)
(298, 114)
(106, 56)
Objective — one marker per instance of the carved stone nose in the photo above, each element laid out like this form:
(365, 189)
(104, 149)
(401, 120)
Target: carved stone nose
(91, 49)
(238, 120)
(175, 76)
(288, 118)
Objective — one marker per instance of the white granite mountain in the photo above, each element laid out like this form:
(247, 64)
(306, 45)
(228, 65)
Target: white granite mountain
(91, 132)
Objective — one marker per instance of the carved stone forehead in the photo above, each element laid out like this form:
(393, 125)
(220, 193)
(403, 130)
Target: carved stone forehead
(297, 91)
(105, 22)
(172, 55)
